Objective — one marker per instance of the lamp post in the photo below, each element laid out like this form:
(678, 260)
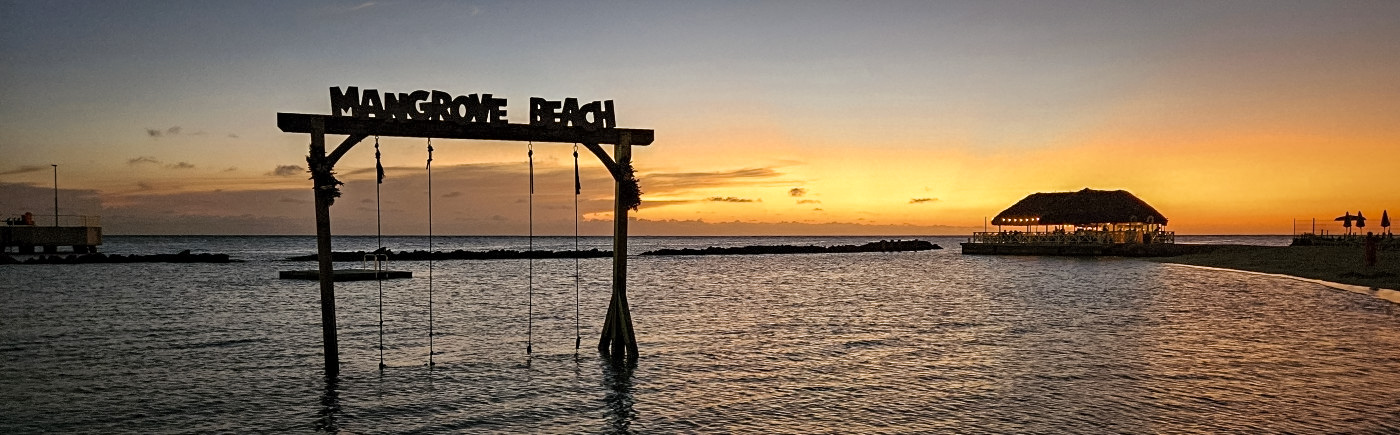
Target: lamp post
(55, 195)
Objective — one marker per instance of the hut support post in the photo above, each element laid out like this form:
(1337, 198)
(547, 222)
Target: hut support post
(618, 338)
(324, 188)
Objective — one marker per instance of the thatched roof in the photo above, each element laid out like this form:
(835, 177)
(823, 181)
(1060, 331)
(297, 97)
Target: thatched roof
(1084, 207)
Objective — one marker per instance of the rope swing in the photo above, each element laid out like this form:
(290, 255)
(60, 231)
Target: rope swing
(578, 188)
(379, 234)
(430, 252)
(530, 252)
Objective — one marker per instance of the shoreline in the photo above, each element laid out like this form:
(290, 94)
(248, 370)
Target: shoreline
(1339, 267)
(1382, 293)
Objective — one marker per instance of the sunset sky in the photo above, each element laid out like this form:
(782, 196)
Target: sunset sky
(770, 117)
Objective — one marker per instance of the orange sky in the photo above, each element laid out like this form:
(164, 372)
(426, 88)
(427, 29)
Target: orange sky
(773, 118)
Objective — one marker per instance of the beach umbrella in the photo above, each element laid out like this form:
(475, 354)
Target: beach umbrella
(1346, 221)
(1360, 220)
(1385, 219)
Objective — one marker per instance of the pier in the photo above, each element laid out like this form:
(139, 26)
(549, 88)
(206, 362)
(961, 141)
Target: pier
(1086, 222)
(83, 234)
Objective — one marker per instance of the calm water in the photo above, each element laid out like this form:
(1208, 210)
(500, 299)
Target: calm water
(928, 342)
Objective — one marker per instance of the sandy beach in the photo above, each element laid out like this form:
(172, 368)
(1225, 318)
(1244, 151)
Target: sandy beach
(1339, 264)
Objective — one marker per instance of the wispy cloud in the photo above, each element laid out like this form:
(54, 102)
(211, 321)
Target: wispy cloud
(797, 192)
(156, 132)
(922, 200)
(808, 201)
(730, 199)
(23, 170)
(667, 182)
(148, 160)
(286, 170)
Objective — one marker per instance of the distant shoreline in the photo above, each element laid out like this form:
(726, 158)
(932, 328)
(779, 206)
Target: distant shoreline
(1332, 264)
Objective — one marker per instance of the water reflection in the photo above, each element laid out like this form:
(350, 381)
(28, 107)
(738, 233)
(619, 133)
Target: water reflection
(330, 407)
(617, 377)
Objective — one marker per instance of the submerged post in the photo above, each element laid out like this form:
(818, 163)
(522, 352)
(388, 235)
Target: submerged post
(324, 187)
(618, 338)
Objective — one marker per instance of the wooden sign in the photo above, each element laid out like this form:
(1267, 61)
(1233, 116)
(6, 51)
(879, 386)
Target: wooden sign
(437, 105)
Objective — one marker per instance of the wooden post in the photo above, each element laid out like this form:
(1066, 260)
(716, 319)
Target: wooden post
(618, 338)
(324, 188)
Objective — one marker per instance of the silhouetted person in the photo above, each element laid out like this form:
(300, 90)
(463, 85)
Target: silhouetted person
(1371, 242)
(27, 219)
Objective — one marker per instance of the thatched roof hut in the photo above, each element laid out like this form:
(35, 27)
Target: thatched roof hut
(1083, 208)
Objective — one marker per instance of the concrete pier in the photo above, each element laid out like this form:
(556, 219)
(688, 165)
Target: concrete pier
(27, 238)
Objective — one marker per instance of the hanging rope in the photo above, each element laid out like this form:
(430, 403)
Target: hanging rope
(530, 252)
(430, 252)
(379, 234)
(578, 188)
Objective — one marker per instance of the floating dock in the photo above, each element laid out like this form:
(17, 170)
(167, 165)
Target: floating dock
(346, 274)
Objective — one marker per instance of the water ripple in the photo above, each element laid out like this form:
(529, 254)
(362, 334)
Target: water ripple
(929, 342)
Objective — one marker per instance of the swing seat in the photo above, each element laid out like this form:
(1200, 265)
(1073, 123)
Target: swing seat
(345, 274)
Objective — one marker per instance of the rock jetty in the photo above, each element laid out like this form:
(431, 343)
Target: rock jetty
(880, 246)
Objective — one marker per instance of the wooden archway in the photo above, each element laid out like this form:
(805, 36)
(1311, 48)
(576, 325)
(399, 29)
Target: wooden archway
(617, 339)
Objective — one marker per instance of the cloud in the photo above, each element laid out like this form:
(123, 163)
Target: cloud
(156, 132)
(232, 136)
(16, 198)
(729, 199)
(922, 200)
(231, 169)
(362, 6)
(144, 160)
(797, 192)
(142, 185)
(286, 170)
(23, 170)
(808, 201)
(665, 182)
(647, 203)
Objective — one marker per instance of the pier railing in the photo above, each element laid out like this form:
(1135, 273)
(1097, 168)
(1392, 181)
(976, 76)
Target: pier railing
(63, 220)
(1072, 237)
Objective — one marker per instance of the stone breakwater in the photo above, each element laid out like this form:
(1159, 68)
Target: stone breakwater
(880, 246)
(181, 257)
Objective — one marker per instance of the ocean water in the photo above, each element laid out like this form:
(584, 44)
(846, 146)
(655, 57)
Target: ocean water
(923, 342)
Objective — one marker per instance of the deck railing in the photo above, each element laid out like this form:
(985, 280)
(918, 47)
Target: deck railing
(1072, 237)
(48, 221)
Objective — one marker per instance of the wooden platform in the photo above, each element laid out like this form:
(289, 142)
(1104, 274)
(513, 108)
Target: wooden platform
(345, 274)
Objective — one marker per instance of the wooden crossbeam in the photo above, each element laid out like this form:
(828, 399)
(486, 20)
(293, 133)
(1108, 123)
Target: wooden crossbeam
(301, 123)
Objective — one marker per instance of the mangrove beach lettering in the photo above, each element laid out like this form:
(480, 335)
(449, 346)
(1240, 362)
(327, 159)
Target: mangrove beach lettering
(437, 105)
